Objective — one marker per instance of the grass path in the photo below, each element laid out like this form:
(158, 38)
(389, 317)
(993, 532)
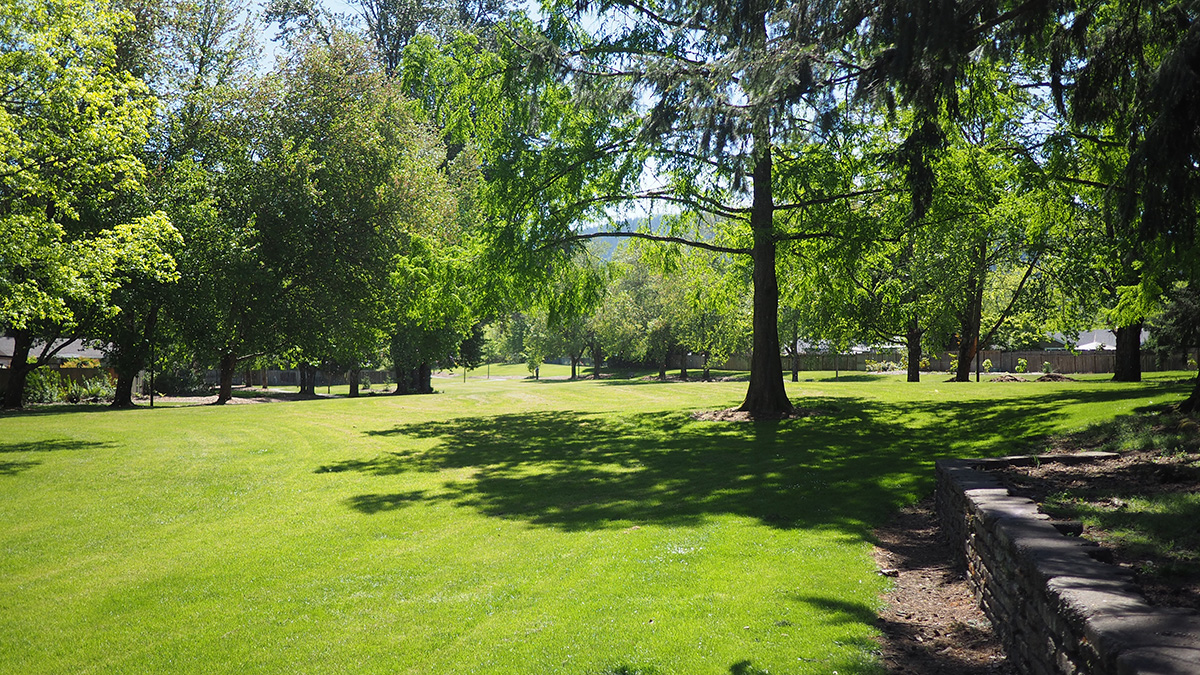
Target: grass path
(501, 526)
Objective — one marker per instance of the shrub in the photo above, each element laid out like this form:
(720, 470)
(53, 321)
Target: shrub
(1022, 365)
(987, 365)
(954, 365)
(1047, 368)
(883, 366)
(99, 388)
(45, 386)
(178, 382)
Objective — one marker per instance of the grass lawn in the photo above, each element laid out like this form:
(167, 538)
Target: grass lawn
(501, 526)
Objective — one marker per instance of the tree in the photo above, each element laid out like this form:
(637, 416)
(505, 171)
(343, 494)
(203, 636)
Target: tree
(71, 124)
(1134, 98)
(706, 95)
(1177, 329)
(345, 180)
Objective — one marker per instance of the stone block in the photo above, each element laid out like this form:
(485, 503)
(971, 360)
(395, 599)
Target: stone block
(1160, 661)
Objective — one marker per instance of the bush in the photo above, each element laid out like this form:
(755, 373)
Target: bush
(1022, 365)
(883, 366)
(1047, 368)
(987, 365)
(50, 386)
(178, 382)
(45, 386)
(99, 388)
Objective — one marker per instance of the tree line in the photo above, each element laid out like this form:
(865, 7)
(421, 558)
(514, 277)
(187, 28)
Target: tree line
(924, 173)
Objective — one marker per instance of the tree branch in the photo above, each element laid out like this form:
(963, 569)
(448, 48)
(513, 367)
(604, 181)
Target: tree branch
(645, 235)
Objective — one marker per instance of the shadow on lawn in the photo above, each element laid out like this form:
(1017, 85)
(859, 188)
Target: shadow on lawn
(843, 469)
(16, 466)
(50, 445)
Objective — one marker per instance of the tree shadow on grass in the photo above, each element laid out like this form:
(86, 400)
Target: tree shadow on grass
(50, 445)
(843, 469)
(15, 467)
(39, 410)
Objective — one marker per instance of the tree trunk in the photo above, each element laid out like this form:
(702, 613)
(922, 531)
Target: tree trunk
(663, 365)
(1129, 354)
(574, 366)
(14, 395)
(766, 394)
(354, 373)
(424, 379)
(308, 379)
(914, 351)
(706, 377)
(597, 358)
(794, 350)
(225, 392)
(123, 393)
(971, 320)
(683, 364)
(264, 377)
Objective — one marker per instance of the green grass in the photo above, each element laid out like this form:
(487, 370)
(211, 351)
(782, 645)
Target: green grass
(500, 526)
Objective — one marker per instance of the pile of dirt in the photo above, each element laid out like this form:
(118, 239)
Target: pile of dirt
(930, 621)
(1008, 378)
(1054, 377)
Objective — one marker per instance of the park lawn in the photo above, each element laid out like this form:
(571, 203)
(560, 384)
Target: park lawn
(500, 526)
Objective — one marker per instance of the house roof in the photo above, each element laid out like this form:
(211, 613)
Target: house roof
(72, 349)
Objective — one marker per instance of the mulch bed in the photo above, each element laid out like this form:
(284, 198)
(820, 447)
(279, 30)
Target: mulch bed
(1108, 483)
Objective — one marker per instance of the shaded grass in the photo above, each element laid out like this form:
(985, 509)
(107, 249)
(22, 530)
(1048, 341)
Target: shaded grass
(500, 526)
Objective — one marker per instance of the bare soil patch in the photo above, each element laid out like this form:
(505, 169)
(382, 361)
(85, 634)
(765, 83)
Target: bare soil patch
(735, 415)
(930, 621)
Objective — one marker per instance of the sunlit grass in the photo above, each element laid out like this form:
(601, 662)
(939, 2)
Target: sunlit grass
(499, 526)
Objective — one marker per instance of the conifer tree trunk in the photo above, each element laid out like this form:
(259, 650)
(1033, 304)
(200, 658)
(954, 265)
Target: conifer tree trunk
(766, 394)
(1128, 366)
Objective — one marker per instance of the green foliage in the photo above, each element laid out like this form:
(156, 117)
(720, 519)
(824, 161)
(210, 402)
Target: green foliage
(1047, 367)
(874, 366)
(47, 385)
(179, 382)
(71, 124)
(1022, 365)
(987, 365)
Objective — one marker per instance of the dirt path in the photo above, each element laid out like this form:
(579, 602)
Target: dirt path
(930, 622)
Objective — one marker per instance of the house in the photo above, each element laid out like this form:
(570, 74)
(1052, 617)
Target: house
(73, 349)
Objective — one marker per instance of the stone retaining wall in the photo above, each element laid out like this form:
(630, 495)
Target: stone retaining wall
(1056, 607)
